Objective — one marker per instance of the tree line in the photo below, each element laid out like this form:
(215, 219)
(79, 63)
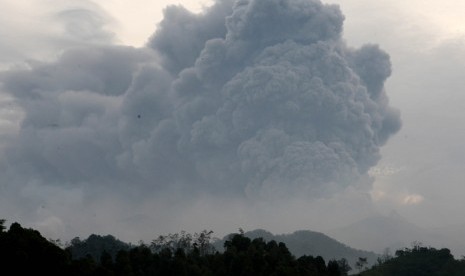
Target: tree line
(419, 261)
(26, 252)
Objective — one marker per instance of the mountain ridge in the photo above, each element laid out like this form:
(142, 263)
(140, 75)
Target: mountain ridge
(392, 232)
(307, 242)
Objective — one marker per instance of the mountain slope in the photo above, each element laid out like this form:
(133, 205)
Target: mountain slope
(394, 232)
(305, 242)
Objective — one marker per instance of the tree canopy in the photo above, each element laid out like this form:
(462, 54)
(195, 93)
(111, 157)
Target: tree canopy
(27, 252)
(419, 261)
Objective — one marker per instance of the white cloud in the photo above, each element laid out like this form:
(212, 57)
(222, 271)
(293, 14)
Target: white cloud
(412, 199)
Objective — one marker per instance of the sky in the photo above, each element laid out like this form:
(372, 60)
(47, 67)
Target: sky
(114, 123)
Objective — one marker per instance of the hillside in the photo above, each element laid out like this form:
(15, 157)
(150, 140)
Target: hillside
(27, 252)
(305, 242)
(419, 261)
(394, 232)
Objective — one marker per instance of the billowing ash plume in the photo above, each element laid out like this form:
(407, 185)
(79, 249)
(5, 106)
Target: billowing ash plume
(254, 97)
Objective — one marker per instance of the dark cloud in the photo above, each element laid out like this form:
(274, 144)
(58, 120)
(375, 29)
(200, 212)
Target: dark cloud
(255, 99)
(181, 35)
(72, 108)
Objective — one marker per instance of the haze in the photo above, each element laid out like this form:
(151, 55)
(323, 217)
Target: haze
(198, 124)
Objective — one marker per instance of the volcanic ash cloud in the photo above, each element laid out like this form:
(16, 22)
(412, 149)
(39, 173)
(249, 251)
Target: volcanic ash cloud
(258, 98)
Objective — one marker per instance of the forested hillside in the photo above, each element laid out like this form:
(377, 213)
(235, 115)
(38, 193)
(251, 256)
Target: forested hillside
(419, 261)
(305, 242)
(27, 252)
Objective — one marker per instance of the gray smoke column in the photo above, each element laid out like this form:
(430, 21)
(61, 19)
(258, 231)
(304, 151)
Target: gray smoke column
(255, 98)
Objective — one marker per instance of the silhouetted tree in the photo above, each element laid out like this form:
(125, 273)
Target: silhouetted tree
(419, 260)
(2, 225)
(344, 266)
(94, 245)
(26, 252)
(361, 263)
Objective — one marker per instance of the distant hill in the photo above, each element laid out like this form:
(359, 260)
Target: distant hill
(305, 242)
(26, 252)
(419, 261)
(394, 232)
(454, 241)
(380, 232)
(95, 245)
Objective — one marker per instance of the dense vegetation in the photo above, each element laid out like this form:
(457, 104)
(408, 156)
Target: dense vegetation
(26, 252)
(94, 245)
(305, 242)
(419, 261)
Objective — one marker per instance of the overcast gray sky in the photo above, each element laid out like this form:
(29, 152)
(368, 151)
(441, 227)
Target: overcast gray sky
(87, 134)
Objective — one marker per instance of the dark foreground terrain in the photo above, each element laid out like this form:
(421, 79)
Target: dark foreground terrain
(26, 252)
